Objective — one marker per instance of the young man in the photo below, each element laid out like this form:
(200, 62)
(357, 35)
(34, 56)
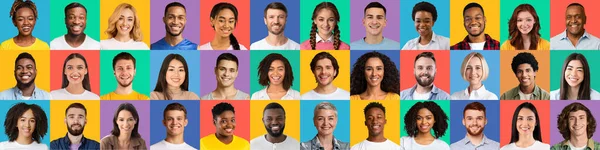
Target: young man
(275, 19)
(424, 70)
(274, 121)
(325, 68)
(25, 73)
(124, 71)
(577, 125)
(175, 120)
(424, 15)
(75, 118)
(474, 22)
(174, 19)
(374, 20)
(375, 121)
(575, 37)
(474, 121)
(75, 39)
(525, 68)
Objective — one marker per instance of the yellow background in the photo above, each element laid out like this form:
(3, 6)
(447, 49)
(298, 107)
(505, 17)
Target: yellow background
(58, 127)
(491, 11)
(142, 7)
(292, 118)
(358, 130)
(7, 69)
(308, 79)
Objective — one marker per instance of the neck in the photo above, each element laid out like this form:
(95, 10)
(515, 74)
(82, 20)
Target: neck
(424, 135)
(425, 39)
(222, 91)
(26, 90)
(475, 139)
(273, 139)
(174, 90)
(526, 41)
(122, 38)
(124, 138)
(124, 90)
(325, 36)
(527, 89)
(224, 139)
(374, 91)
(525, 140)
(578, 141)
(273, 88)
(575, 36)
(424, 89)
(376, 138)
(175, 139)
(75, 39)
(373, 39)
(325, 139)
(75, 88)
(276, 39)
(473, 87)
(173, 40)
(24, 140)
(219, 41)
(573, 92)
(477, 39)
(325, 89)
(75, 139)
(21, 37)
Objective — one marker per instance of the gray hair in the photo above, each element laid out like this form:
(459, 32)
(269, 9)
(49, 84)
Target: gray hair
(326, 106)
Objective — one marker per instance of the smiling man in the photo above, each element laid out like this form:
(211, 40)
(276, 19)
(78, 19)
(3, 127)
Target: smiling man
(75, 118)
(274, 121)
(577, 125)
(575, 37)
(424, 70)
(275, 19)
(375, 122)
(174, 120)
(474, 121)
(325, 69)
(174, 19)
(75, 39)
(525, 68)
(124, 71)
(374, 20)
(25, 73)
(474, 22)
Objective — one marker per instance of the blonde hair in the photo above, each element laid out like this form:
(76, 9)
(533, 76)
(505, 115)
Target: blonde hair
(111, 31)
(484, 65)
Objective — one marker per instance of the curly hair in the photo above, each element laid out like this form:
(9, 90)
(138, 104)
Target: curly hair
(524, 58)
(584, 87)
(220, 108)
(373, 105)
(213, 15)
(12, 118)
(563, 120)
(265, 64)
(18, 4)
(537, 131)
(440, 117)
(136, 32)
(515, 36)
(427, 7)
(336, 29)
(391, 77)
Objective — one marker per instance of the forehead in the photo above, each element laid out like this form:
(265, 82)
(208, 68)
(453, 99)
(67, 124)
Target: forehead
(75, 61)
(424, 112)
(25, 61)
(526, 112)
(174, 113)
(24, 10)
(524, 66)
(175, 62)
(126, 12)
(227, 13)
(177, 10)
(374, 111)
(423, 14)
(424, 61)
(325, 13)
(226, 114)
(123, 62)
(473, 11)
(475, 61)
(575, 10)
(577, 113)
(75, 111)
(76, 10)
(277, 63)
(124, 114)
(28, 114)
(273, 111)
(227, 63)
(473, 112)
(374, 61)
(272, 11)
(524, 14)
(324, 62)
(374, 11)
(575, 63)
(325, 112)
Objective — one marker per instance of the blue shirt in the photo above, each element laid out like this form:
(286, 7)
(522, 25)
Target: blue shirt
(16, 94)
(586, 42)
(436, 94)
(465, 144)
(65, 143)
(183, 45)
(386, 44)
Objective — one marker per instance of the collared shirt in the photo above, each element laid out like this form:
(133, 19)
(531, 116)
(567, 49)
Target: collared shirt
(112, 142)
(65, 143)
(586, 42)
(16, 94)
(465, 144)
(437, 42)
(555, 95)
(315, 144)
(320, 39)
(479, 94)
(436, 94)
(490, 44)
(564, 145)
(385, 44)
(513, 94)
(323, 44)
(262, 95)
(185, 44)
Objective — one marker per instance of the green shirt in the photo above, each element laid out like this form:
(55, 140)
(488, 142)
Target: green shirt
(513, 94)
(564, 145)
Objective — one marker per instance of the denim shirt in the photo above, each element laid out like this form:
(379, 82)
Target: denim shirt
(436, 94)
(315, 144)
(16, 94)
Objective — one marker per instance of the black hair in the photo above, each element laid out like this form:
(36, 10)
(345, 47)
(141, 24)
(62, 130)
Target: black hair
(86, 77)
(275, 5)
(274, 105)
(74, 5)
(325, 55)
(584, 87)
(391, 77)
(220, 108)
(24, 55)
(374, 105)
(125, 56)
(537, 131)
(126, 107)
(524, 58)
(471, 5)
(265, 64)
(440, 117)
(375, 5)
(12, 118)
(76, 105)
(174, 4)
(224, 5)
(161, 82)
(227, 56)
(425, 6)
(18, 4)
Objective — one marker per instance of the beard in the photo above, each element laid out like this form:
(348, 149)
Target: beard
(279, 32)
(476, 133)
(171, 33)
(275, 134)
(75, 132)
(22, 85)
(425, 83)
(125, 84)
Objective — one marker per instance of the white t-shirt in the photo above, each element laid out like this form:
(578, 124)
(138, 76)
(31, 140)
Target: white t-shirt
(368, 145)
(417, 96)
(409, 143)
(261, 143)
(536, 145)
(207, 46)
(263, 45)
(263, 95)
(60, 43)
(113, 44)
(477, 46)
(6, 145)
(338, 94)
(63, 94)
(164, 145)
(524, 96)
(572, 147)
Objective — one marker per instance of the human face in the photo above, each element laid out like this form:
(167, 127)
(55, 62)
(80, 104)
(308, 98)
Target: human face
(574, 74)
(224, 23)
(24, 21)
(474, 21)
(124, 72)
(526, 122)
(274, 121)
(75, 70)
(175, 74)
(578, 123)
(374, 21)
(374, 71)
(126, 22)
(276, 72)
(325, 121)
(526, 75)
(226, 72)
(75, 121)
(125, 122)
(575, 19)
(423, 23)
(324, 72)
(425, 120)
(425, 71)
(76, 20)
(474, 121)
(325, 22)
(225, 123)
(175, 20)
(375, 121)
(474, 71)
(25, 72)
(26, 124)
(525, 22)
(275, 20)
(175, 121)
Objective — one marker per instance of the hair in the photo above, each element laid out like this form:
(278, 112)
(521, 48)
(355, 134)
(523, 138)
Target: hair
(582, 9)
(12, 118)
(123, 56)
(440, 117)
(471, 5)
(221, 6)
(391, 77)
(563, 120)
(336, 29)
(484, 65)
(524, 58)
(426, 55)
(474, 106)
(327, 106)
(325, 55)
(373, 105)
(274, 105)
(18, 4)
(220, 108)
(136, 32)
(74, 5)
(86, 77)
(265, 64)
(76, 105)
(584, 87)
(275, 5)
(175, 106)
(515, 36)
(173, 4)
(375, 5)
(24, 55)
(227, 56)
(537, 132)
(161, 82)
(425, 6)
(126, 107)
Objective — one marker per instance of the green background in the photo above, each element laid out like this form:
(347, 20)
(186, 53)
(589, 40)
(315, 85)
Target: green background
(306, 10)
(405, 106)
(141, 80)
(57, 17)
(257, 56)
(542, 8)
(557, 58)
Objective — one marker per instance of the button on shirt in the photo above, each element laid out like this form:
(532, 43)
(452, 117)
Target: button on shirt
(16, 94)
(465, 144)
(479, 94)
(315, 144)
(437, 43)
(262, 95)
(436, 94)
(586, 42)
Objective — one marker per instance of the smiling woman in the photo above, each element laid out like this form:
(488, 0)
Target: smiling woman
(24, 14)
(75, 80)
(25, 126)
(173, 80)
(124, 30)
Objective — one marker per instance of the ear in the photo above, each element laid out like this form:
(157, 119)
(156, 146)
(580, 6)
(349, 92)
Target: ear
(265, 20)
(185, 122)
(385, 121)
(464, 122)
(164, 122)
(66, 121)
(485, 121)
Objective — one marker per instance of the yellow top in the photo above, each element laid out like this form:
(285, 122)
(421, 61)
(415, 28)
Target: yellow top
(389, 96)
(131, 96)
(542, 45)
(37, 45)
(211, 142)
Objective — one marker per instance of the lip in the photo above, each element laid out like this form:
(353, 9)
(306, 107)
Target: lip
(229, 130)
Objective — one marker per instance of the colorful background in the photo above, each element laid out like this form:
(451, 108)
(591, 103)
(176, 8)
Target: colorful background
(207, 67)
(557, 60)
(459, 84)
(556, 108)
(242, 118)
(6, 105)
(441, 26)
(491, 12)
(42, 24)
(358, 129)
(259, 29)
(559, 8)
(507, 110)
(242, 30)
(57, 13)
(492, 113)
(192, 25)
(292, 57)
(292, 118)
(142, 8)
(7, 70)
(140, 80)
(442, 75)
(191, 58)
(406, 105)
(109, 109)
(306, 75)
(58, 127)
(542, 8)
(509, 79)
(192, 130)
(392, 16)
(306, 12)
(307, 126)
(91, 57)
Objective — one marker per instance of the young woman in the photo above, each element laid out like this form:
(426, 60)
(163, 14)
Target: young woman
(173, 80)
(75, 80)
(24, 14)
(575, 80)
(325, 120)
(526, 131)
(223, 19)
(124, 134)
(474, 69)
(223, 138)
(124, 30)
(275, 73)
(25, 125)
(325, 32)
(226, 72)
(420, 119)
(524, 29)
(374, 77)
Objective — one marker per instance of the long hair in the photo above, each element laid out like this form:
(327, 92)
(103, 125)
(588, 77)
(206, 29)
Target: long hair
(441, 119)
(584, 86)
(515, 36)
(537, 131)
(336, 29)
(86, 77)
(127, 107)
(136, 32)
(563, 120)
(161, 83)
(13, 115)
(213, 14)
(391, 77)
(265, 64)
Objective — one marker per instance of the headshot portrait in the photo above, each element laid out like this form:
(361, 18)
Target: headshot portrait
(179, 126)
(368, 31)
(474, 21)
(181, 30)
(124, 70)
(575, 35)
(275, 75)
(527, 27)
(374, 75)
(229, 130)
(25, 125)
(129, 122)
(477, 127)
(25, 73)
(325, 29)
(575, 78)
(421, 83)
(76, 21)
(76, 81)
(229, 80)
(175, 77)
(275, 125)
(275, 16)
(76, 119)
(127, 27)
(425, 15)
(528, 125)
(425, 125)
(228, 22)
(327, 128)
(474, 70)
(526, 67)
(374, 124)
(574, 125)
(25, 16)
(329, 70)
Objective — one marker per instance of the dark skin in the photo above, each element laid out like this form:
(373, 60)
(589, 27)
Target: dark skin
(25, 73)
(24, 20)
(375, 122)
(75, 20)
(225, 124)
(275, 120)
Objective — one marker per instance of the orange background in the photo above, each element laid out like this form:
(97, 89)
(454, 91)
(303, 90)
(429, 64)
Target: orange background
(242, 29)
(407, 74)
(56, 64)
(242, 117)
(508, 80)
(507, 108)
(7, 68)
(559, 8)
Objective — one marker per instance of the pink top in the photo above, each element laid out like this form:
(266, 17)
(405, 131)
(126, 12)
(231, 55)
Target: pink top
(323, 46)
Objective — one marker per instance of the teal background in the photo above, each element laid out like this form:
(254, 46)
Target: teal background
(6, 105)
(306, 10)
(405, 106)
(557, 59)
(141, 80)
(57, 15)
(542, 8)
(257, 56)
(42, 24)
(407, 25)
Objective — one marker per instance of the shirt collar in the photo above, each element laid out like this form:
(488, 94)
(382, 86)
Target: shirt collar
(317, 144)
(466, 140)
(590, 144)
(319, 39)
(433, 38)
(18, 93)
(434, 89)
(478, 91)
(563, 35)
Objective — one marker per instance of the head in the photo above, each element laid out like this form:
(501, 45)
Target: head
(224, 119)
(275, 17)
(375, 70)
(575, 19)
(424, 15)
(576, 120)
(24, 14)
(474, 68)
(173, 74)
(525, 68)
(274, 119)
(375, 118)
(226, 69)
(75, 71)
(25, 70)
(524, 21)
(575, 74)
(223, 19)
(75, 18)
(325, 68)
(174, 18)
(26, 120)
(124, 21)
(124, 68)
(374, 18)
(75, 118)
(474, 118)
(126, 121)
(325, 19)
(424, 116)
(275, 69)
(474, 19)
(525, 121)
(325, 118)
(175, 119)
(425, 69)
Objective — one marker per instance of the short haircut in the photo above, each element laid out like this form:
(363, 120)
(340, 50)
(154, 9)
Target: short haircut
(471, 5)
(326, 106)
(474, 106)
(375, 5)
(537, 132)
(175, 106)
(74, 5)
(265, 64)
(577, 4)
(12, 118)
(325, 55)
(24, 55)
(524, 58)
(131, 109)
(275, 5)
(426, 55)
(425, 6)
(563, 120)
(274, 105)
(440, 117)
(173, 4)
(76, 105)
(124, 56)
(227, 56)
(484, 65)
(220, 108)
(374, 105)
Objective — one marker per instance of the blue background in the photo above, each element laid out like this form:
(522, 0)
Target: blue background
(6, 105)
(191, 57)
(191, 133)
(393, 55)
(492, 83)
(41, 30)
(258, 29)
(492, 112)
(307, 127)
(407, 25)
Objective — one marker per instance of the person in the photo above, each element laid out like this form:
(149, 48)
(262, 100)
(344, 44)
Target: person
(474, 22)
(75, 80)
(575, 37)
(223, 19)
(24, 15)
(275, 18)
(575, 81)
(173, 80)
(474, 119)
(75, 119)
(124, 71)
(374, 77)
(174, 18)
(226, 71)
(124, 30)
(474, 69)
(25, 73)
(374, 20)
(124, 134)
(424, 70)
(223, 138)
(425, 15)
(325, 120)
(526, 132)
(524, 30)
(324, 31)
(25, 125)
(175, 120)
(577, 125)
(75, 39)
(420, 120)
(275, 73)
(375, 121)
(525, 67)
(325, 68)
(274, 121)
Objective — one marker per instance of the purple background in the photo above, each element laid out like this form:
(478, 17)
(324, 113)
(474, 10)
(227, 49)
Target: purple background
(555, 109)
(207, 75)
(192, 26)
(108, 109)
(391, 31)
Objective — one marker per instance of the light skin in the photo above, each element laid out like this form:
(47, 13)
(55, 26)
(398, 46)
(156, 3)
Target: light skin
(75, 120)
(174, 20)
(325, 121)
(474, 121)
(224, 23)
(424, 71)
(75, 20)
(126, 122)
(525, 23)
(574, 75)
(423, 24)
(374, 21)
(474, 73)
(474, 22)
(425, 121)
(124, 72)
(375, 122)
(274, 120)
(578, 128)
(25, 22)
(175, 76)
(226, 72)
(125, 25)
(276, 76)
(575, 20)
(75, 70)
(26, 127)
(324, 74)
(526, 77)
(325, 22)
(225, 124)
(25, 73)
(526, 123)
(374, 74)
(275, 20)
(175, 122)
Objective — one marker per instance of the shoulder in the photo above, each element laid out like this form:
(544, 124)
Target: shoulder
(393, 96)
(108, 140)
(191, 95)
(594, 95)
(344, 46)
(507, 46)
(141, 45)
(305, 45)
(258, 44)
(57, 40)
(242, 47)
(441, 144)
(457, 95)
(355, 97)
(555, 95)
(205, 46)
